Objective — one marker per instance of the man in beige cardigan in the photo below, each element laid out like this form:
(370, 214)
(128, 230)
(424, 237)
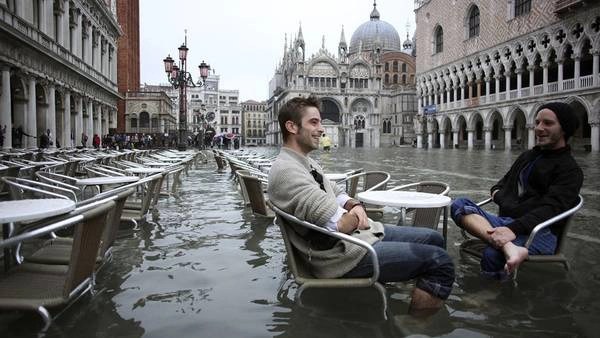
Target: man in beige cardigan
(297, 186)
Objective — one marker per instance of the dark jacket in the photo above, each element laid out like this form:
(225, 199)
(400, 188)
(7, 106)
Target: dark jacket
(552, 187)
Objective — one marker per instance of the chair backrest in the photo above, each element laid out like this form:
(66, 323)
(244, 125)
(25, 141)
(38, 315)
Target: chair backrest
(567, 216)
(219, 161)
(371, 180)
(255, 194)
(86, 242)
(21, 188)
(430, 217)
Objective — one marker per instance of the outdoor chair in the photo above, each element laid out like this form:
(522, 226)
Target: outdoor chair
(367, 181)
(21, 188)
(298, 261)
(255, 193)
(427, 217)
(220, 165)
(36, 287)
(59, 180)
(12, 171)
(475, 246)
(58, 250)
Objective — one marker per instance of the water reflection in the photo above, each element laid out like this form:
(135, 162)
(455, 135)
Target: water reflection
(206, 266)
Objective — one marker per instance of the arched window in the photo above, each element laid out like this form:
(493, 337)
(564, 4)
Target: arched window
(144, 120)
(386, 79)
(395, 78)
(404, 68)
(474, 22)
(359, 122)
(438, 40)
(133, 122)
(395, 66)
(387, 67)
(403, 78)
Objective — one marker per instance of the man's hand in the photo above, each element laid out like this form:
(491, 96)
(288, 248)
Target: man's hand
(499, 236)
(361, 214)
(347, 223)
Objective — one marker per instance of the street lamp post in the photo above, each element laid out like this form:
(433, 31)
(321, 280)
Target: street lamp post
(180, 79)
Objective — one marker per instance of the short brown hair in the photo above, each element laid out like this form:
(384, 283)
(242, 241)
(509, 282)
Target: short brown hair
(293, 110)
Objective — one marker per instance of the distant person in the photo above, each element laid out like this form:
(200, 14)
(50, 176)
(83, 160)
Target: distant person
(542, 183)
(326, 143)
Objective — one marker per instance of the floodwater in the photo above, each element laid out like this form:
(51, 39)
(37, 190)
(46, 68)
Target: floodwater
(206, 267)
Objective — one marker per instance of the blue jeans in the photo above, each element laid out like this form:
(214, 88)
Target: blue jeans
(408, 252)
(493, 260)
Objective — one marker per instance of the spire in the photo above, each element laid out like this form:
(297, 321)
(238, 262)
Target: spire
(300, 36)
(375, 12)
(343, 38)
(285, 45)
(323, 43)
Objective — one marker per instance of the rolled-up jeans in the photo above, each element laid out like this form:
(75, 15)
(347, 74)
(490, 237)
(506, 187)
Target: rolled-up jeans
(409, 252)
(493, 260)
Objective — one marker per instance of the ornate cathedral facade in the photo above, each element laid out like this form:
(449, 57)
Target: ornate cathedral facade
(367, 90)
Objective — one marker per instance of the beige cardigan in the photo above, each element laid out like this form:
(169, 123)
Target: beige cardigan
(293, 189)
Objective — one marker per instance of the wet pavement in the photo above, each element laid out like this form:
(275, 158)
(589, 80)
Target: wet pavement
(206, 267)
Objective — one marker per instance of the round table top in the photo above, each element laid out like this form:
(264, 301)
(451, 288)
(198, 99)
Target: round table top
(404, 199)
(30, 209)
(107, 180)
(335, 176)
(144, 170)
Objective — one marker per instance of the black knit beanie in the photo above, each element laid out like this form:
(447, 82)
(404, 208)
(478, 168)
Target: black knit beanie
(565, 115)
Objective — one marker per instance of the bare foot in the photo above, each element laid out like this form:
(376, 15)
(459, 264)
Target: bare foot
(424, 303)
(515, 255)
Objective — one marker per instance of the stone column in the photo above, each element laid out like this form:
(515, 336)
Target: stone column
(66, 24)
(88, 44)
(470, 138)
(5, 108)
(545, 77)
(488, 137)
(96, 49)
(595, 68)
(577, 59)
(487, 89)
(497, 77)
(442, 137)
(66, 139)
(43, 14)
(430, 139)
(595, 136)
(455, 139)
(447, 96)
(531, 70)
(519, 72)
(455, 95)
(89, 128)
(462, 94)
(507, 87)
(31, 122)
(419, 141)
(419, 104)
(507, 140)
(77, 47)
(530, 136)
(560, 74)
(79, 122)
(51, 114)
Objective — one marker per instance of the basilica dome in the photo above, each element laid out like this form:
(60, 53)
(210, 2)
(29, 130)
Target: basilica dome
(372, 32)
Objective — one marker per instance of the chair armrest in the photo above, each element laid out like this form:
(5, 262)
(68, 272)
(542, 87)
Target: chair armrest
(484, 202)
(338, 235)
(553, 220)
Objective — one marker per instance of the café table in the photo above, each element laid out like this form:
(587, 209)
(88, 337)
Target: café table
(105, 180)
(29, 210)
(408, 199)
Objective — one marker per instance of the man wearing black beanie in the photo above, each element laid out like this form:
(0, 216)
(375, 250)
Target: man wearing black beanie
(542, 183)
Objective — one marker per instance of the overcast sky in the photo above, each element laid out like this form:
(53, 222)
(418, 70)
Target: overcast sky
(243, 40)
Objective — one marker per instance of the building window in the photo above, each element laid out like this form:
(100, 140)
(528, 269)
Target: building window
(133, 122)
(474, 22)
(395, 67)
(439, 39)
(404, 68)
(144, 120)
(522, 7)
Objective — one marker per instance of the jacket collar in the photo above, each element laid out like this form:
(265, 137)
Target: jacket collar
(300, 158)
(552, 152)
